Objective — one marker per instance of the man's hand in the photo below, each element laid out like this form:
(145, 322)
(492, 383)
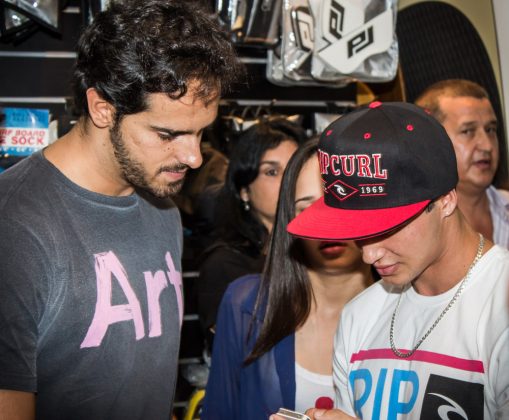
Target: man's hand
(17, 405)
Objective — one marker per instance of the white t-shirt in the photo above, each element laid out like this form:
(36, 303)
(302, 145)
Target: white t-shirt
(499, 209)
(310, 386)
(461, 367)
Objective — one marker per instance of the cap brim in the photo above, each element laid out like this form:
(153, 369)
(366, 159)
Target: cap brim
(320, 221)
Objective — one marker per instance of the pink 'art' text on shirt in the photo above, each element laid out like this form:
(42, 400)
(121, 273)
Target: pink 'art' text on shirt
(107, 267)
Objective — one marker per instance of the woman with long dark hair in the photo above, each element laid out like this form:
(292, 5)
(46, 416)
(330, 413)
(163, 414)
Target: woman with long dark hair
(245, 210)
(274, 339)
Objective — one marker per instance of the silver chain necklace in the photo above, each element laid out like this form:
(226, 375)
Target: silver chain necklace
(451, 302)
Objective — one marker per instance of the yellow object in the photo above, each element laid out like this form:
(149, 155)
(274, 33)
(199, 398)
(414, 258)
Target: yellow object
(194, 404)
(364, 94)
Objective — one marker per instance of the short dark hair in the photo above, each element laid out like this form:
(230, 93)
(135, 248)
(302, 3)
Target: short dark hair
(454, 88)
(138, 47)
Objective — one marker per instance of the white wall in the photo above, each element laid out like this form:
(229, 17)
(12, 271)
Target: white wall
(501, 9)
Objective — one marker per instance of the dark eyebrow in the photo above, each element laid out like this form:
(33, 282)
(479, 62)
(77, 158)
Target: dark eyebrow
(170, 132)
(468, 124)
(269, 162)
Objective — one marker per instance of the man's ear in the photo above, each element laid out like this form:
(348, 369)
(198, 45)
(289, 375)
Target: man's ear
(448, 203)
(101, 112)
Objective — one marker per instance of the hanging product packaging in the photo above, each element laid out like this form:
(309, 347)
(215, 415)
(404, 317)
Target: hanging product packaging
(297, 45)
(22, 132)
(44, 12)
(262, 25)
(251, 22)
(297, 39)
(322, 120)
(356, 39)
(275, 73)
(12, 19)
(14, 26)
(274, 68)
(231, 16)
(90, 8)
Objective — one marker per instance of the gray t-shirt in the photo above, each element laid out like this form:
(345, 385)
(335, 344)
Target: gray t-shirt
(90, 297)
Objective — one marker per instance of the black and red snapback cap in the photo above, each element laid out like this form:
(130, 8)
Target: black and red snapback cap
(381, 165)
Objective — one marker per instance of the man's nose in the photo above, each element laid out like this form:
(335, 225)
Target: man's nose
(485, 141)
(371, 252)
(190, 153)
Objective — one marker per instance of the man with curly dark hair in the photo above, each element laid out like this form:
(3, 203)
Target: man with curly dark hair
(91, 242)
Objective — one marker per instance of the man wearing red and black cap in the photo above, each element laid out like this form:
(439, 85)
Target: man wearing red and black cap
(432, 336)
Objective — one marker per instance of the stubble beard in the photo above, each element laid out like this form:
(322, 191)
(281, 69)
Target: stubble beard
(135, 174)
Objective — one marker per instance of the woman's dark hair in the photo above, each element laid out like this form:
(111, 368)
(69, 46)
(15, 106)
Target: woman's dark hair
(236, 226)
(285, 284)
(139, 47)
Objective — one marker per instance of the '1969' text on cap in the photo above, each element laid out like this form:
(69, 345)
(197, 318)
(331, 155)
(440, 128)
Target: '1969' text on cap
(381, 165)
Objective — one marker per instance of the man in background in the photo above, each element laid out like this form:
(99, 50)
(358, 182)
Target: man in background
(464, 109)
(90, 248)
